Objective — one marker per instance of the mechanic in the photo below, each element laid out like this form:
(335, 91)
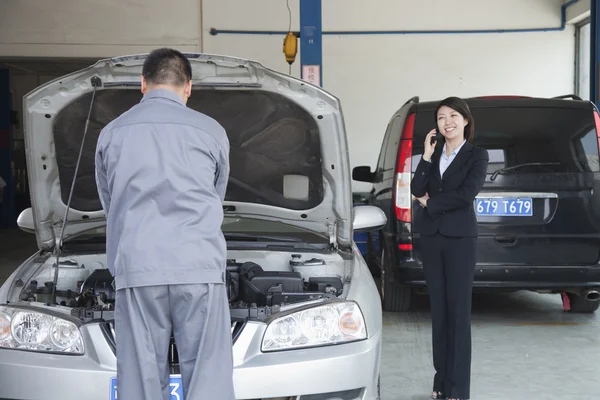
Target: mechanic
(161, 171)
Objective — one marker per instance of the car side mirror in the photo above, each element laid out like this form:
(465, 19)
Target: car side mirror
(363, 174)
(25, 221)
(368, 219)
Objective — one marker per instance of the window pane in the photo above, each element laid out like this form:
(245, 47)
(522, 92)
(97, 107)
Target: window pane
(583, 82)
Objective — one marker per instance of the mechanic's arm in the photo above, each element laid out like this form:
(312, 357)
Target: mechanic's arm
(101, 178)
(222, 174)
(465, 195)
(420, 180)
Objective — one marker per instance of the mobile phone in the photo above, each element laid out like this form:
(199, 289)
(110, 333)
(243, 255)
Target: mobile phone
(438, 136)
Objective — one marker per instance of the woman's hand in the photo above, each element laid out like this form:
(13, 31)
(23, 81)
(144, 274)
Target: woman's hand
(429, 148)
(423, 200)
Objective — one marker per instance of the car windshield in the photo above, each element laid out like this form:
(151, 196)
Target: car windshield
(239, 228)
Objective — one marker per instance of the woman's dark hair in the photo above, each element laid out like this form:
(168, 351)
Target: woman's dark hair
(460, 106)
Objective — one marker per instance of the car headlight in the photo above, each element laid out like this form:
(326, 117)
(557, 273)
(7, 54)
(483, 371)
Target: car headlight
(25, 329)
(329, 324)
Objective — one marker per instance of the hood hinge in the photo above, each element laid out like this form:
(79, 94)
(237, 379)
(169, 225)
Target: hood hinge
(57, 228)
(331, 228)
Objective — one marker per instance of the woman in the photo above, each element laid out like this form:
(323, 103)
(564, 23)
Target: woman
(445, 184)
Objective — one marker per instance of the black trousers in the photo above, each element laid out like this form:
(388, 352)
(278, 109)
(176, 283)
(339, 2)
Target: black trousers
(449, 266)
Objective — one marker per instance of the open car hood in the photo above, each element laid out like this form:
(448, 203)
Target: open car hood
(288, 157)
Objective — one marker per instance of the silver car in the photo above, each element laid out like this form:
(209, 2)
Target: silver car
(306, 316)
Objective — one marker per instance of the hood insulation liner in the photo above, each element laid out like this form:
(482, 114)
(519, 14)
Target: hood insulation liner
(270, 136)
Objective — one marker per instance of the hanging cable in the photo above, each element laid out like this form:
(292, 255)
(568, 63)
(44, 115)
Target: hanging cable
(290, 15)
(290, 43)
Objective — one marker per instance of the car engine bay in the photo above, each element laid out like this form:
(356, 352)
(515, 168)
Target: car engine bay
(259, 284)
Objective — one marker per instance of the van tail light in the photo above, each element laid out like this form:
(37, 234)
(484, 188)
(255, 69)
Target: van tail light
(597, 121)
(402, 195)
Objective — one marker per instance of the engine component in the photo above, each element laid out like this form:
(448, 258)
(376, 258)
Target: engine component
(331, 285)
(267, 288)
(297, 262)
(257, 286)
(43, 294)
(97, 290)
(312, 268)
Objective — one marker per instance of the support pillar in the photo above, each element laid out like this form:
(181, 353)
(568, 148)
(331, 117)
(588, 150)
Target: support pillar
(595, 52)
(311, 42)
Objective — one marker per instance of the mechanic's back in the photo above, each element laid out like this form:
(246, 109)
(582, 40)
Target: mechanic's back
(167, 167)
(162, 171)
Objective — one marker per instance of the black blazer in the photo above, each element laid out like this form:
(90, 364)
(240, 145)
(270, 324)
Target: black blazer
(450, 209)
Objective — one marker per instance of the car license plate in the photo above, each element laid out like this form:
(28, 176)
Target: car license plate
(176, 387)
(504, 207)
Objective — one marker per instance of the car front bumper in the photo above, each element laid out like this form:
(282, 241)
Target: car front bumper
(346, 372)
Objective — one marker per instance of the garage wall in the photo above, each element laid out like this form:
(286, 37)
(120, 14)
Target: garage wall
(372, 74)
(97, 28)
(578, 11)
(375, 74)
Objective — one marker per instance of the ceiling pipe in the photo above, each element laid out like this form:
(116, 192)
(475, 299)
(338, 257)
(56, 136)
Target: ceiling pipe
(563, 25)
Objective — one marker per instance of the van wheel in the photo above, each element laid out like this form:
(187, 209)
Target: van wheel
(579, 304)
(373, 260)
(395, 298)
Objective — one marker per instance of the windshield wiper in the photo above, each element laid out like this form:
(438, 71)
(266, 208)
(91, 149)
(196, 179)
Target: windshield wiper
(257, 238)
(507, 169)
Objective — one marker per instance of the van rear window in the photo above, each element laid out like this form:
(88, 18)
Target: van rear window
(557, 140)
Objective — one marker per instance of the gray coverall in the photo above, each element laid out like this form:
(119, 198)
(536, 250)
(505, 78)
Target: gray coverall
(161, 171)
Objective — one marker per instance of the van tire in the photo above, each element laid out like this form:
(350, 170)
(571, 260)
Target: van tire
(395, 298)
(372, 260)
(579, 304)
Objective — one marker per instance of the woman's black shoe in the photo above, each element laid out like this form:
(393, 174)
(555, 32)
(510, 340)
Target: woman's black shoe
(438, 395)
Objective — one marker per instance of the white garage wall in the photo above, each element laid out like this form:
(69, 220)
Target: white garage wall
(97, 28)
(375, 74)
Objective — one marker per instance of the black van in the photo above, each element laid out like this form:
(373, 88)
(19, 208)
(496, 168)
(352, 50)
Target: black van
(538, 212)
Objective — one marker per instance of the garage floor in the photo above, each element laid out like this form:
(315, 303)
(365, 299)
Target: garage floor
(524, 345)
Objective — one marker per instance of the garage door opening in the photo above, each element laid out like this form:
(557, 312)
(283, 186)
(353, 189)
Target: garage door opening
(23, 75)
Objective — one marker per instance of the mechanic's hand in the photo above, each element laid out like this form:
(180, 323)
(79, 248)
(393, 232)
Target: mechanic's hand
(429, 148)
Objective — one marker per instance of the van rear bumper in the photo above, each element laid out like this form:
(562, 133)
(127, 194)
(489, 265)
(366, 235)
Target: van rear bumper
(515, 277)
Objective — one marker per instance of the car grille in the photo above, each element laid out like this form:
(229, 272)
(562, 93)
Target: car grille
(109, 332)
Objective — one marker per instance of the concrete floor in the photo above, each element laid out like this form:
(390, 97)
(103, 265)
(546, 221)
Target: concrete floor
(525, 346)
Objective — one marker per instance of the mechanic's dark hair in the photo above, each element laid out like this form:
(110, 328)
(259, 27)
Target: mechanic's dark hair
(460, 106)
(167, 67)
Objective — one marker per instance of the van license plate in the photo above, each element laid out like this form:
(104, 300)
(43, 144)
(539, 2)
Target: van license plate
(504, 207)
(176, 388)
